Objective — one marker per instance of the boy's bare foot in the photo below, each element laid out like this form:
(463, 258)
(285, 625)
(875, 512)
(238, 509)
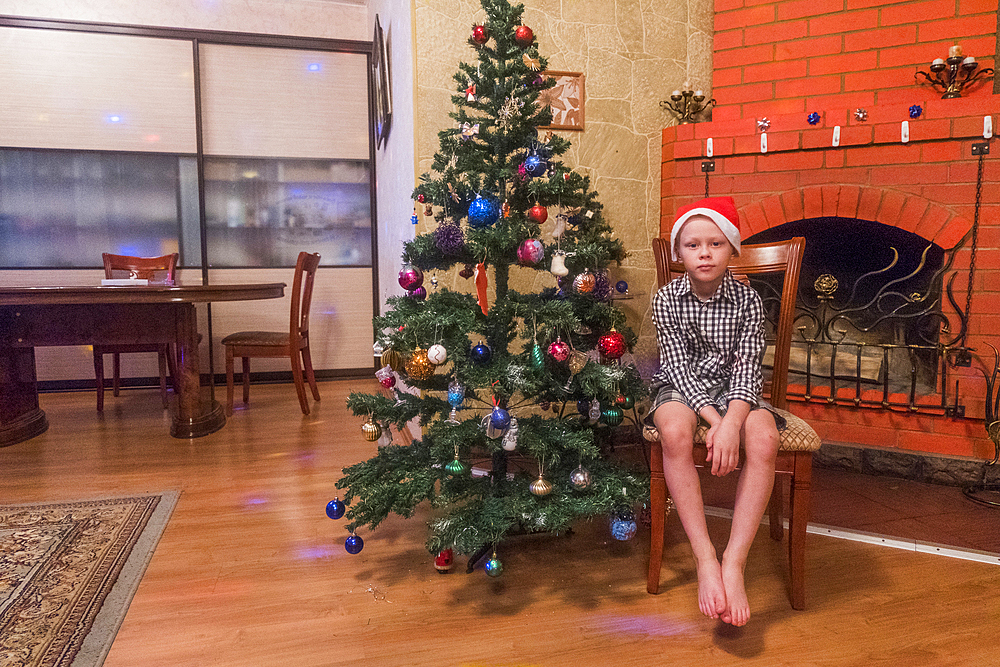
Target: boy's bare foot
(711, 588)
(737, 610)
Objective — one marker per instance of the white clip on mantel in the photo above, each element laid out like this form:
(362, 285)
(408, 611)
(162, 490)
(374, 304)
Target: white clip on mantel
(987, 127)
(763, 142)
(709, 148)
(904, 132)
(836, 135)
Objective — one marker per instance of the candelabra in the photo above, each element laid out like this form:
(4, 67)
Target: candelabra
(954, 73)
(687, 104)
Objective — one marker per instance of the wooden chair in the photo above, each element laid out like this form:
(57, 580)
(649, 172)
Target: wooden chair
(153, 269)
(293, 343)
(798, 440)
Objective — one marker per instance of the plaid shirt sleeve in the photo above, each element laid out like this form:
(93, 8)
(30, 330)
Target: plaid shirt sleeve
(675, 358)
(746, 381)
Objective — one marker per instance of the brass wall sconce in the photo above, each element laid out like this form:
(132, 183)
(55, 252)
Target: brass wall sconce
(687, 103)
(953, 74)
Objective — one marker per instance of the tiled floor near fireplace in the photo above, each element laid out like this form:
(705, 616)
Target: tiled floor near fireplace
(893, 507)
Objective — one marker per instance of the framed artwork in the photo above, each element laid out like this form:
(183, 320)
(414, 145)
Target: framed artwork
(566, 99)
(380, 85)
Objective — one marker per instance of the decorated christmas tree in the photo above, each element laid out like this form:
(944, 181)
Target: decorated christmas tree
(520, 393)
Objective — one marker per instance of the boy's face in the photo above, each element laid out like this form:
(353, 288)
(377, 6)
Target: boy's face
(705, 252)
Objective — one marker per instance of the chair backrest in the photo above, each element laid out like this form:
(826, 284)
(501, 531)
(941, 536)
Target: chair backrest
(302, 290)
(158, 269)
(782, 257)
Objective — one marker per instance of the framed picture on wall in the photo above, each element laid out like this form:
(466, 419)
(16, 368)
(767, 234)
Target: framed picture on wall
(380, 85)
(566, 99)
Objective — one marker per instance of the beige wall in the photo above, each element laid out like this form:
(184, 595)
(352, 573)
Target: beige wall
(632, 54)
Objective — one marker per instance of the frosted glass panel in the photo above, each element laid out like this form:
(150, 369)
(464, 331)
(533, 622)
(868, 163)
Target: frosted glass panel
(263, 212)
(64, 208)
(78, 90)
(284, 102)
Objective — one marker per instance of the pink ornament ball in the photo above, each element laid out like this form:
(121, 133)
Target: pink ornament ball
(410, 277)
(559, 350)
(531, 251)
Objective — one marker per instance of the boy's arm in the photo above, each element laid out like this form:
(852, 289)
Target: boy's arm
(675, 360)
(746, 381)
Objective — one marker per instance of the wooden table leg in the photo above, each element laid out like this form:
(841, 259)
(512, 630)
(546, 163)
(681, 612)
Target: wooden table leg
(196, 415)
(20, 416)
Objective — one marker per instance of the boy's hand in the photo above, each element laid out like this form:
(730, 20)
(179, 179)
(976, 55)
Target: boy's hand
(723, 441)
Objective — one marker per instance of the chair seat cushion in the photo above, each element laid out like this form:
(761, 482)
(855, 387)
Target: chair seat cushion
(798, 436)
(261, 338)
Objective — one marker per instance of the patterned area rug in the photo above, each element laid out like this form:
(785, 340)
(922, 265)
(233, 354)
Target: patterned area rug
(68, 572)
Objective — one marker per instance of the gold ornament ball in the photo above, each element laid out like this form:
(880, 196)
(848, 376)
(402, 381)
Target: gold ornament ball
(371, 430)
(418, 366)
(540, 487)
(584, 283)
(393, 359)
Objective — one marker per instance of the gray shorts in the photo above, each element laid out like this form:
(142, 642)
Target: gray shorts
(667, 394)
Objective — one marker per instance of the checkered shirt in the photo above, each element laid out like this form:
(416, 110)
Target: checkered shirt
(716, 342)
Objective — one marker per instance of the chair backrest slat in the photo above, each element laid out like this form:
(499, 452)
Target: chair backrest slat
(782, 257)
(302, 291)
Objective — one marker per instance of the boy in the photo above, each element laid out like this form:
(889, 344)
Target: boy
(710, 330)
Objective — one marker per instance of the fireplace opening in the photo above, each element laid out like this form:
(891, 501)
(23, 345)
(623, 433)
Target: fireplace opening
(869, 308)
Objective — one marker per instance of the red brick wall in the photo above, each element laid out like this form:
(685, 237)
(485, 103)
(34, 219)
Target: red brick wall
(785, 60)
(800, 56)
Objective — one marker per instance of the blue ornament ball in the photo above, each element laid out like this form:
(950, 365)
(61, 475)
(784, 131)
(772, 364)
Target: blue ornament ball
(335, 508)
(483, 212)
(481, 354)
(623, 525)
(494, 567)
(353, 544)
(500, 418)
(535, 164)
(621, 287)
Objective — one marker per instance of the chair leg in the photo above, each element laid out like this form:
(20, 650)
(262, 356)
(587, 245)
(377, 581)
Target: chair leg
(229, 380)
(658, 509)
(307, 364)
(776, 509)
(246, 380)
(161, 357)
(99, 375)
(117, 372)
(800, 499)
(300, 387)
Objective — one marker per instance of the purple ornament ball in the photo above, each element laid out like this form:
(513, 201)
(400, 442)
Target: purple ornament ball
(418, 294)
(449, 239)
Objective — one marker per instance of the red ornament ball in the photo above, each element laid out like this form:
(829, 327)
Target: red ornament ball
(559, 350)
(612, 345)
(538, 213)
(480, 35)
(421, 198)
(523, 36)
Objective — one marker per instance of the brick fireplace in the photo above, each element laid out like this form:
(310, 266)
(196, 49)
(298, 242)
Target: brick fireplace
(785, 60)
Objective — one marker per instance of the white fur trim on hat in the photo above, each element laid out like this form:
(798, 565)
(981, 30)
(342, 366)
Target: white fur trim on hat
(720, 210)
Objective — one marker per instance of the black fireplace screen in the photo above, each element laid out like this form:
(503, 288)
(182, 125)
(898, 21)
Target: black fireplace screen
(878, 323)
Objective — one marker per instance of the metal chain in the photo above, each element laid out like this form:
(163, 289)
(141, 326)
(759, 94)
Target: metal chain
(975, 238)
(706, 183)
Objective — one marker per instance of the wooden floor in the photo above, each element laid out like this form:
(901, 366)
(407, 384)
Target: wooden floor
(250, 571)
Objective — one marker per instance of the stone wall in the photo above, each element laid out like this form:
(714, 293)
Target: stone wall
(632, 55)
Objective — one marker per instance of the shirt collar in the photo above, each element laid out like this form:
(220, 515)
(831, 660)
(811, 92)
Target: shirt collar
(727, 289)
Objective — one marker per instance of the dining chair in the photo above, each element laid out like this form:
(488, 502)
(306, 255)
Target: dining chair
(797, 442)
(293, 343)
(158, 269)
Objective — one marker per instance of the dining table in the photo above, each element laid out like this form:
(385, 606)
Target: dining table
(33, 317)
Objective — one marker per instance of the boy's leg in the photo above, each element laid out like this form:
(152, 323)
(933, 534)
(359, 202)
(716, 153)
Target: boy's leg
(676, 423)
(760, 444)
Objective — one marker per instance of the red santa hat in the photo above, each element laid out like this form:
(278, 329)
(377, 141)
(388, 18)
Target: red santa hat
(720, 210)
